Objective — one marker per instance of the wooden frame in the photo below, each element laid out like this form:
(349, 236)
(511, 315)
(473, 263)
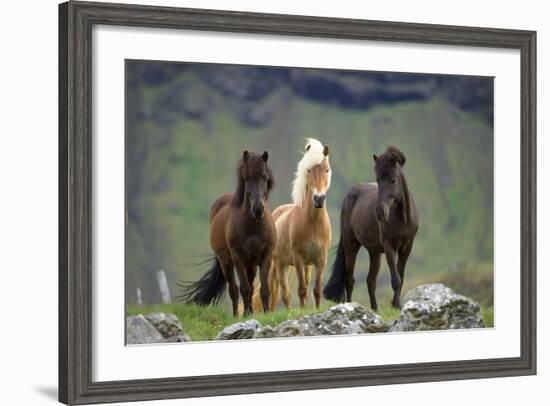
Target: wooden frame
(76, 20)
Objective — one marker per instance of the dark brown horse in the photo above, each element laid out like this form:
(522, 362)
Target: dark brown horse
(242, 235)
(382, 218)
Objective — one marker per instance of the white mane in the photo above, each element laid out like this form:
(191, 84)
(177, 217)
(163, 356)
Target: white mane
(312, 156)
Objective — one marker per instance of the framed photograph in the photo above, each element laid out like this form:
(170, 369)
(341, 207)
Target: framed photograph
(259, 202)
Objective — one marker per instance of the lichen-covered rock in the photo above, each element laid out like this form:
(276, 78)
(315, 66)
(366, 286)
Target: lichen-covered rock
(239, 331)
(437, 307)
(345, 318)
(141, 331)
(169, 326)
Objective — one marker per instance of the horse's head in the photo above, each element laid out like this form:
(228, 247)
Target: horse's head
(387, 168)
(318, 180)
(256, 181)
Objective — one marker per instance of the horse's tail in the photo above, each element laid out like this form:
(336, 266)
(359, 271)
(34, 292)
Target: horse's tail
(335, 288)
(210, 288)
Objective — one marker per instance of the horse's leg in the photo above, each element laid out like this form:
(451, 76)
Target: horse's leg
(350, 252)
(308, 274)
(402, 261)
(244, 285)
(374, 268)
(391, 257)
(251, 274)
(302, 287)
(265, 268)
(282, 275)
(274, 287)
(320, 268)
(229, 274)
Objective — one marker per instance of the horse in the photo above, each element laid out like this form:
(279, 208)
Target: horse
(381, 217)
(242, 236)
(303, 228)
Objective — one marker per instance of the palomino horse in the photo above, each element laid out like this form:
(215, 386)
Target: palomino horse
(303, 228)
(381, 217)
(242, 235)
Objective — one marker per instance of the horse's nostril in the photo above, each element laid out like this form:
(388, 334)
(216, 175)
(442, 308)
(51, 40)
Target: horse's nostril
(318, 200)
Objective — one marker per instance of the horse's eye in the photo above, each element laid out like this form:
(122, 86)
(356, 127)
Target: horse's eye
(328, 170)
(309, 171)
(393, 181)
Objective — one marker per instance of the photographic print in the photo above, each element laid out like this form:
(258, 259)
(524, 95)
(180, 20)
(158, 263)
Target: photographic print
(279, 202)
(335, 183)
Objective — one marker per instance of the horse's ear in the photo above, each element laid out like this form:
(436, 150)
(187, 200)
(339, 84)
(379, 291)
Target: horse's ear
(325, 150)
(246, 154)
(265, 156)
(374, 157)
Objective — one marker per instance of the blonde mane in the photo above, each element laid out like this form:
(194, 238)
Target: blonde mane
(313, 155)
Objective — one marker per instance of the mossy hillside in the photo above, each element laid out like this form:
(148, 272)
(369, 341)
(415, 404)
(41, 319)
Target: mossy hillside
(178, 162)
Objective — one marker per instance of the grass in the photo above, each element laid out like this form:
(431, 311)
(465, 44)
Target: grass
(388, 313)
(204, 323)
(488, 316)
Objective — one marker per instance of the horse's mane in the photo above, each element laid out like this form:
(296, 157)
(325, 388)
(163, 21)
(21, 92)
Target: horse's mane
(313, 155)
(389, 158)
(253, 164)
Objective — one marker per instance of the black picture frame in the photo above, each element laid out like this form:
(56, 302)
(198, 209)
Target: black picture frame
(76, 20)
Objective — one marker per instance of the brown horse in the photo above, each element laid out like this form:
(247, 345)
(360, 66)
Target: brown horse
(381, 217)
(303, 228)
(242, 235)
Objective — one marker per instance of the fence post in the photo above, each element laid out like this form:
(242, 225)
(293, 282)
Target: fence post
(138, 296)
(163, 286)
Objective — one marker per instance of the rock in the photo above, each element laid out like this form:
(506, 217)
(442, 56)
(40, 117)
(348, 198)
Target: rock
(169, 326)
(345, 318)
(154, 328)
(354, 328)
(239, 331)
(437, 307)
(427, 307)
(266, 332)
(141, 331)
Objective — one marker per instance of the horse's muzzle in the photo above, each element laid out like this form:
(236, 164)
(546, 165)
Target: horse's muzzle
(319, 201)
(258, 212)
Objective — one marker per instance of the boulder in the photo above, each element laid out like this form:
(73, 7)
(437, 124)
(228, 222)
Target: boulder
(345, 318)
(141, 331)
(239, 331)
(169, 326)
(437, 307)
(154, 328)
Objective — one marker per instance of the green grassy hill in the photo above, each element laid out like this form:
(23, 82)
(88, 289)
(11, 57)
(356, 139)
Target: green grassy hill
(186, 131)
